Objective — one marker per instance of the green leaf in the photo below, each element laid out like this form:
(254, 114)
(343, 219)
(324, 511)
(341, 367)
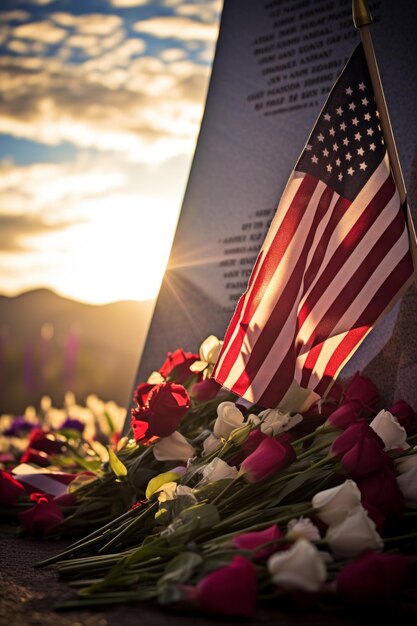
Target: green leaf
(109, 422)
(115, 463)
(181, 568)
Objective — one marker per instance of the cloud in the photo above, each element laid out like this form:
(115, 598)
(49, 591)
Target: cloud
(14, 16)
(126, 4)
(147, 109)
(205, 11)
(176, 27)
(43, 31)
(16, 231)
(98, 24)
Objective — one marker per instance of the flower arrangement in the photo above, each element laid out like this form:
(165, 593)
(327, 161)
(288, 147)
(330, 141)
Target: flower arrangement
(227, 505)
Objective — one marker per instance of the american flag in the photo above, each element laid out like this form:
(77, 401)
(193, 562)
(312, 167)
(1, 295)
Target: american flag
(336, 257)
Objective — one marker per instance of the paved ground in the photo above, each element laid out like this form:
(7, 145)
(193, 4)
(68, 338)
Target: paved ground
(27, 597)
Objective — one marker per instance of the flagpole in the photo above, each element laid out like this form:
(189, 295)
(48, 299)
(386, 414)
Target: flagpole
(362, 19)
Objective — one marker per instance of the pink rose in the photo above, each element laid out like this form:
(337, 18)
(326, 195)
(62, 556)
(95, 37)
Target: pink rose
(373, 578)
(269, 457)
(10, 489)
(381, 490)
(176, 367)
(255, 540)
(230, 590)
(166, 404)
(205, 390)
(42, 517)
(404, 414)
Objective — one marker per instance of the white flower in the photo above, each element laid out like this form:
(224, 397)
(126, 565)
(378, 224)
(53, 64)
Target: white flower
(254, 419)
(333, 505)
(228, 418)
(211, 444)
(170, 491)
(300, 567)
(303, 528)
(407, 483)
(209, 353)
(275, 422)
(217, 469)
(173, 448)
(389, 429)
(155, 378)
(406, 462)
(354, 534)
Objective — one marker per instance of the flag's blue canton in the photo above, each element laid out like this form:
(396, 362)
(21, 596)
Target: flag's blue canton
(346, 144)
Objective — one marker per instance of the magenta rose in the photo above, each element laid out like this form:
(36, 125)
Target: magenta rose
(44, 442)
(373, 578)
(351, 436)
(269, 457)
(364, 457)
(381, 490)
(166, 405)
(404, 414)
(10, 489)
(205, 390)
(176, 367)
(229, 590)
(361, 390)
(42, 517)
(248, 446)
(255, 540)
(344, 415)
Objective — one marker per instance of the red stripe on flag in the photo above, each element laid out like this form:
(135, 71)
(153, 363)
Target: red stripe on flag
(285, 302)
(350, 291)
(344, 250)
(272, 258)
(385, 294)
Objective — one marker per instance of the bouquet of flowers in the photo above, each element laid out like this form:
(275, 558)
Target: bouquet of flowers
(243, 505)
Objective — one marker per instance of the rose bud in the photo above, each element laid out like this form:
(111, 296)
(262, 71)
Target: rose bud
(268, 458)
(248, 446)
(388, 428)
(167, 403)
(229, 590)
(350, 437)
(255, 540)
(36, 457)
(176, 367)
(334, 504)
(299, 568)
(361, 390)
(343, 416)
(228, 418)
(42, 517)
(356, 533)
(10, 489)
(404, 414)
(365, 457)
(382, 491)
(373, 578)
(205, 390)
(44, 442)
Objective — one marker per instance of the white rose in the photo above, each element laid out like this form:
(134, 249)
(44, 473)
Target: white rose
(406, 462)
(209, 353)
(275, 422)
(228, 418)
(333, 505)
(302, 528)
(211, 444)
(300, 567)
(389, 429)
(354, 534)
(173, 448)
(217, 469)
(407, 483)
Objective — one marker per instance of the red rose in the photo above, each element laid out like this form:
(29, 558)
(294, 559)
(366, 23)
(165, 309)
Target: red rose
(361, 389)
(42, 517)
(351, 436)
(373, 578)
(205, 390)
(177, 365)
(44, 441)
(381, 490)
(166, 405)
(36, 457)
(141, 394)
(404, 414)
(269, 457)
(10, 489)
(364, 457)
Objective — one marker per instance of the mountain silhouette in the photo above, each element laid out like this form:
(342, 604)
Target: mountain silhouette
(50, 345)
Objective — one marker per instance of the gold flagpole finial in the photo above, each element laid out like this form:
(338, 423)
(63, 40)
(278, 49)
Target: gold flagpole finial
(361, 14)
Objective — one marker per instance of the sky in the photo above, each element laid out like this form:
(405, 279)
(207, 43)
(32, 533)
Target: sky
(100, 107)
